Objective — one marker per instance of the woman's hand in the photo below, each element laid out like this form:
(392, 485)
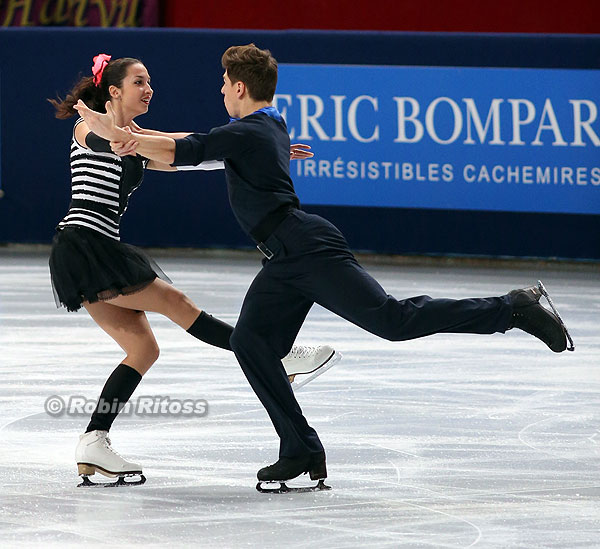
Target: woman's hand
(299, 151)
(102, 125)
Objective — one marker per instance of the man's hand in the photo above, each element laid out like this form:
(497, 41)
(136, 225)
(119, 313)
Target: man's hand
(102, 125)
(125, 148)
(300, 152)
(135, 128)
(153, 147)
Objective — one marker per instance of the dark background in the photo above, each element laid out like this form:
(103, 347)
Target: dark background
(191, 209)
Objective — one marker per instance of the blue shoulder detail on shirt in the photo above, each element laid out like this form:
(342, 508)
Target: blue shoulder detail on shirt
(272, 112)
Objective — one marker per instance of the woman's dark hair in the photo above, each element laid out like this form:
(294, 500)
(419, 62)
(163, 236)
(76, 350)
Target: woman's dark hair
(94, 96)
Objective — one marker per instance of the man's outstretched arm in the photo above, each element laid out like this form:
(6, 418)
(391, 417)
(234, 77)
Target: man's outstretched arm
(153, 147)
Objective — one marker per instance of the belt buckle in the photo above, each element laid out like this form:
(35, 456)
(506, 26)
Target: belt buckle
(264, 249)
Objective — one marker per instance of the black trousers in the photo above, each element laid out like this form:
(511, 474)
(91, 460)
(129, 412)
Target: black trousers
(313, 264)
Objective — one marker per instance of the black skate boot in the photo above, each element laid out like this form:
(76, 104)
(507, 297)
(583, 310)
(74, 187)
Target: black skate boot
(529, 316)
(288, 468)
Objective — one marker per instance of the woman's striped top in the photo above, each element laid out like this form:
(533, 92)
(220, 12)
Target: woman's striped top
(101, 184)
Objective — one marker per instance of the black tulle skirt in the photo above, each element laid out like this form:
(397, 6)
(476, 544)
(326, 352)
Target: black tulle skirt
(87, 266)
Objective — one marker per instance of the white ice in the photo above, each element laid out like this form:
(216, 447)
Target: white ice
(446, 441)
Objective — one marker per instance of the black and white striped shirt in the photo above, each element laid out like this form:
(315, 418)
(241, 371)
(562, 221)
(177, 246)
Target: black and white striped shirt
(101, 184)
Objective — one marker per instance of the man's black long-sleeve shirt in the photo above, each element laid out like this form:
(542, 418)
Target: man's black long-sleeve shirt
(256, 152)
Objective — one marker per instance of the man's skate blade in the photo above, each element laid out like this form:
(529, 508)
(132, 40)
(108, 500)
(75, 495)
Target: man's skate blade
(281, 487)
(542, 288)
(335, 358)
(87, 483)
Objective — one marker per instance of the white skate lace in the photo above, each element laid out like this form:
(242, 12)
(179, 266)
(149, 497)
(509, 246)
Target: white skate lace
(106, 442)
(302, 351)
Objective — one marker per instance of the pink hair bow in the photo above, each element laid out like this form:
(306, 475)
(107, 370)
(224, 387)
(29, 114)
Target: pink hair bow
(100, 62)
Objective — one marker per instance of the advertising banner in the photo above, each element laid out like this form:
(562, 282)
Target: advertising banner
(79, 13)
(517, 140)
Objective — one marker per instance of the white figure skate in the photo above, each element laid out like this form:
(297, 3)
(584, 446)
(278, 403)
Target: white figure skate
(94, 454)
(304, 360)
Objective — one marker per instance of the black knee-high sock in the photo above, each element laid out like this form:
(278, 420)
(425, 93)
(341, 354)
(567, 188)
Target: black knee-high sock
(116, 392)
(211, 330)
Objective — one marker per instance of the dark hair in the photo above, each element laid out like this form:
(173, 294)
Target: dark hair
(94, 96)
(254, 67)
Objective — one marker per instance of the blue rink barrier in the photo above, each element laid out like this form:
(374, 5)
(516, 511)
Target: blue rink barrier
(440, 195)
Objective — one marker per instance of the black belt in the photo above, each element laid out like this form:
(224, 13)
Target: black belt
(267, 227)
(265, 250)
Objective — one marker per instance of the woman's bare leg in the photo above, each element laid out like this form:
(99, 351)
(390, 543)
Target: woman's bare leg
(163, 298)
(160, 297)
(131, 330)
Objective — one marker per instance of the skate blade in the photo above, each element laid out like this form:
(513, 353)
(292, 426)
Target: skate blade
(542, 289)
(87, 483)
(334, 359)
(283, 488)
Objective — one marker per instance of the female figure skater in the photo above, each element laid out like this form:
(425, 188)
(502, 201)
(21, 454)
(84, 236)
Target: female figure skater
(116, 282)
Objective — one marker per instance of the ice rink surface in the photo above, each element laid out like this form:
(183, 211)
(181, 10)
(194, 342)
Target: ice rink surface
(446, 441)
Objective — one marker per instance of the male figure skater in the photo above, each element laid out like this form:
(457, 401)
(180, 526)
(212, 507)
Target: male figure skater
(307, 259)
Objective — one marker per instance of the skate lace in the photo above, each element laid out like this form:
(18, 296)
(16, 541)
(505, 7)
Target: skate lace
(106, 442)
(302, 351)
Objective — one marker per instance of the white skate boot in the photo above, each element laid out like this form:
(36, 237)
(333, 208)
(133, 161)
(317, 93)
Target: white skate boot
(94, 454)
(303, 360)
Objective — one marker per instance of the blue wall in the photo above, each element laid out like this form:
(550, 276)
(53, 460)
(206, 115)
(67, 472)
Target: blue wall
(191, 209)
